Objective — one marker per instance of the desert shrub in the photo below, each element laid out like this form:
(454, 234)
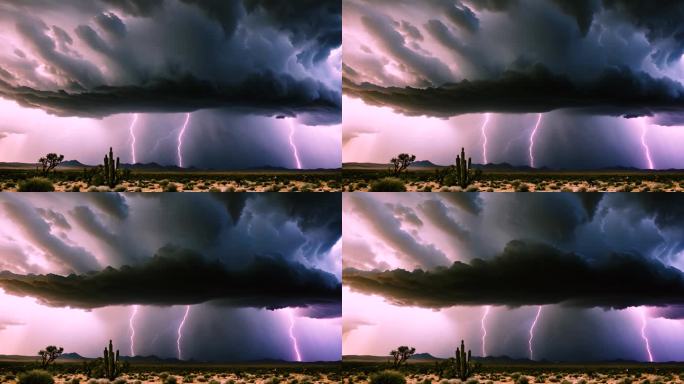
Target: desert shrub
(36, 184)
(472, 381)
(170, 380)
(515, 376)
(214, 382)
(163, 375)
(120, 188)
(75, 380)
(170, 187)
(36, 376)
(388, 377)
(388, 184)
(522, 187)
(120, 381)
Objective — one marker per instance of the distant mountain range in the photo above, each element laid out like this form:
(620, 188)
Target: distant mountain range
(155, 167)
(500, 167)
(75, 357)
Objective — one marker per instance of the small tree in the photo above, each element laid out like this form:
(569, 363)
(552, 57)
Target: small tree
(49, 355)
(50, 162)
(400, 163)
(402, 354)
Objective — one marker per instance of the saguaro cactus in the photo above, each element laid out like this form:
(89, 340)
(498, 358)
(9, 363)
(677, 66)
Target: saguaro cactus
(461, 173)
(111, 169)
(464, 174)
(463, 367)
(112, 365)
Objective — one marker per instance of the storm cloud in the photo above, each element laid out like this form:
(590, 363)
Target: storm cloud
(176, 276)
(251, 56)
(602, 57)
(530, 274)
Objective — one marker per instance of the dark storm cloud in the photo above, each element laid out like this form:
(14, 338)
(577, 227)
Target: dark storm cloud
(388, 228)
(313, 20)
(665, 210)
(176, 276)
(436, 212)
(227, 54)
(582, 10)
(617, 92)
(54, 218)
(671, 312)
(319, 219)
(82, 73)
(590, 202)
(136, 7)
(432, 69)
(70, 257)
(111, 23)
(113, 204)
(265, 93)
(469, 202)
(529, 274)
(658, 23)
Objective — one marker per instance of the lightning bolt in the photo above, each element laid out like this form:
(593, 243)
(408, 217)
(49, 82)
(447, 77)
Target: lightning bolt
(180, 139)
(180, 332)
(292, 336)
(132, 135)
(644, 144)
(643, 334)
(534, 324)
(292, 144)
(534, 132)
(132, 328)
(484, 330)
(484, 138)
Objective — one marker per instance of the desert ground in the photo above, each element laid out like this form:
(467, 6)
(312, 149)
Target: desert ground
(259, 373)
(72, 181)
(519, 378)
(426, 181)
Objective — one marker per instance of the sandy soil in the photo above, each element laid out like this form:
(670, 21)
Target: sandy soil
(196, 186)
(246, 378)
(512, 378)
(545, 186)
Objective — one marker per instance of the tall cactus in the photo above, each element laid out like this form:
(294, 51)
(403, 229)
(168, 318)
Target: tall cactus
(463, 367)
(111, 169)
(461, 173)
(464, 173)
(112, 365)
